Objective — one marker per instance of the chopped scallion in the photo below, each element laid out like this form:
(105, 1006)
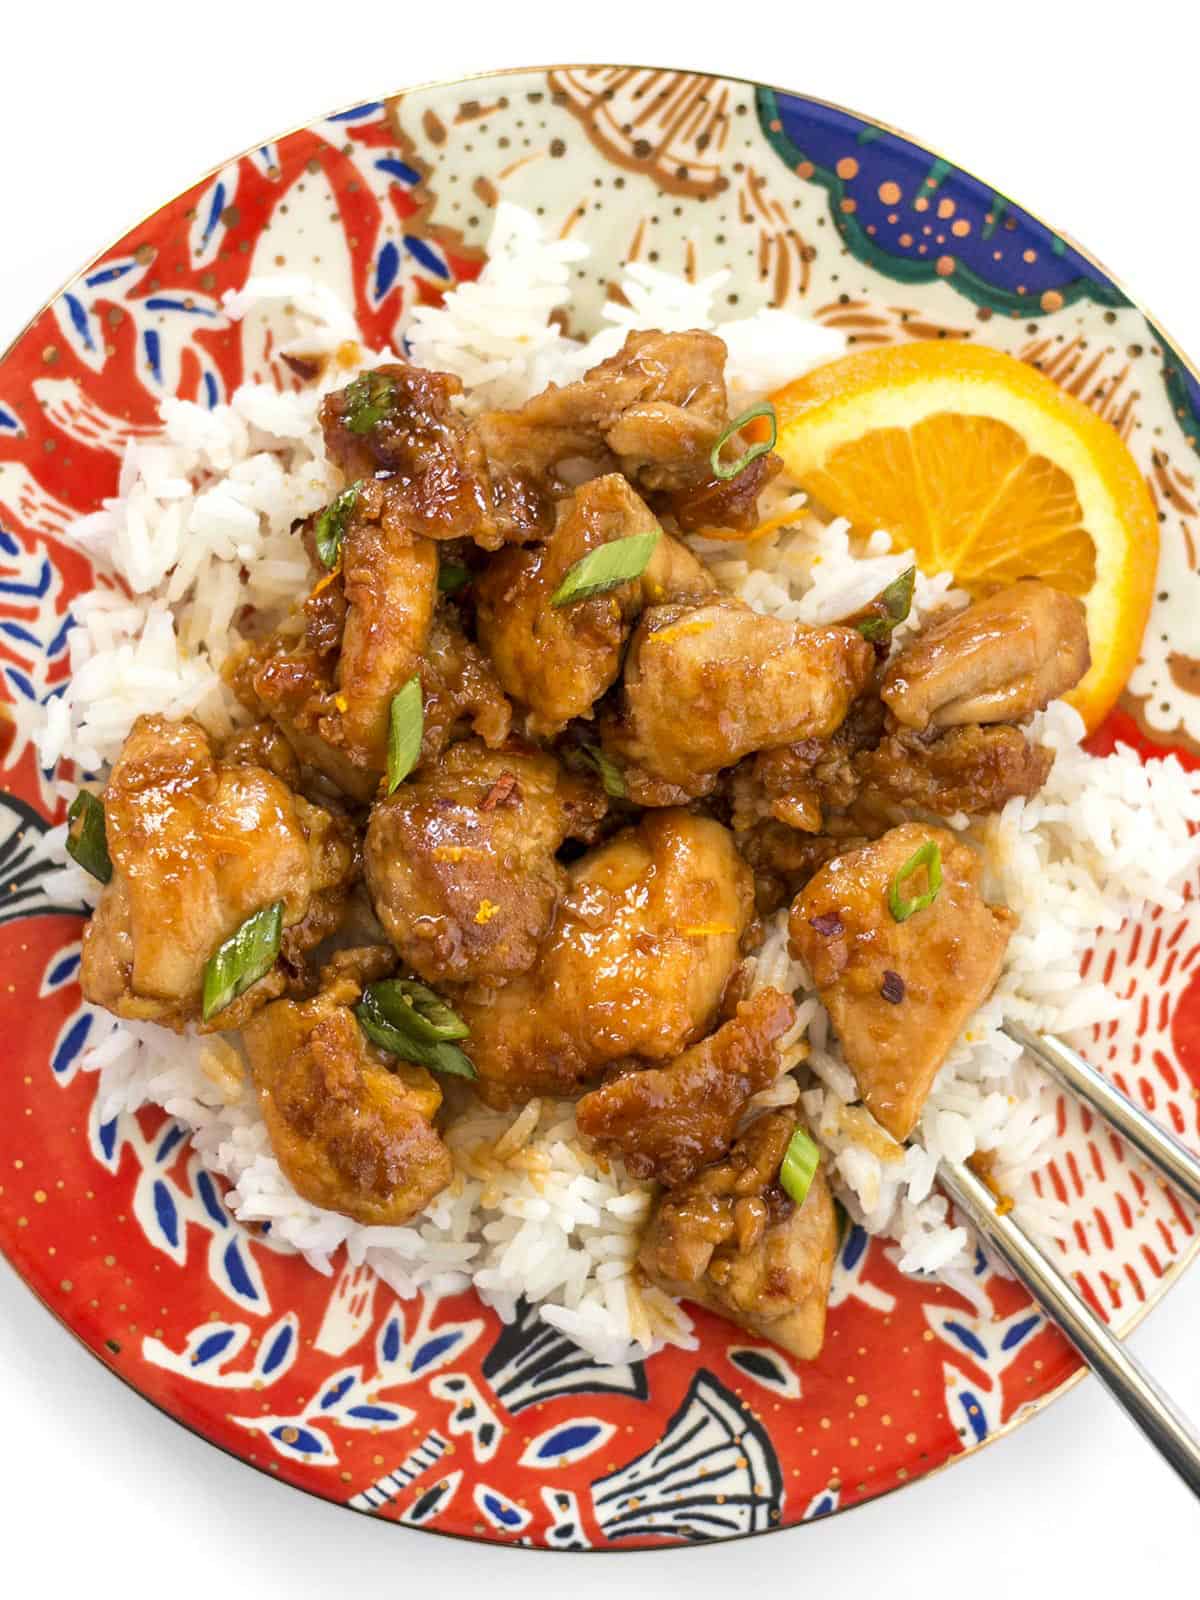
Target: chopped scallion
(928, 856)
(726, 470)
(243, 959)
(413, 1007)
(367, 401)
(86, 843)
(439, 1054)
(452, 576)
(606, 567)
(610, 773)
(799, 1168)
(406, 724)
(889, 608)
(330, 528)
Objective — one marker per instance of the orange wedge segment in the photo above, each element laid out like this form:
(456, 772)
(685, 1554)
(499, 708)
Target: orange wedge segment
(981, 466)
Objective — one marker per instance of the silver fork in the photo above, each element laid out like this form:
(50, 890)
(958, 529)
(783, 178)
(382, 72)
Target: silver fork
(1130, 1385)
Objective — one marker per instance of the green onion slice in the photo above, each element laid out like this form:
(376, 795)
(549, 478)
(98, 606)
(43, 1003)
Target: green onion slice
(889, 608)
(87, 843)
(928, 856)
(406, 724)
(412, 1007)
(331, 525)
(611, 775)
(440, 1055)
(243, 959)
(726, 470)
(452, 576)
(799, 1168)
(368, 400)
(606, 567)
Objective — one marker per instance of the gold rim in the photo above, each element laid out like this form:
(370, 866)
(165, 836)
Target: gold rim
(1033, 1408)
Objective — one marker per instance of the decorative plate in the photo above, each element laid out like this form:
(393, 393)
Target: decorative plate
(432, 1413)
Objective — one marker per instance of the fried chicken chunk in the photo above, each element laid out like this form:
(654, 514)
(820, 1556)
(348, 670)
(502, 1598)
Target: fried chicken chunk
(399, 421)
(459, 690)
(784, 859)
(635, 964)
(197, 846)
(1000, 660)
(732, 1240)
(970, 769)
(365, 633)
(558, 660)
(351, 1126)
(668, 1122)
(705, 687)
(899, 991)
(262, 744)
(723, 502)
(870, 768)
(654, 411)
(799, 783)
(460, 860)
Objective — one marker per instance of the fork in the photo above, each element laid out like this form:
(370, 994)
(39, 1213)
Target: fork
(1127, 1381)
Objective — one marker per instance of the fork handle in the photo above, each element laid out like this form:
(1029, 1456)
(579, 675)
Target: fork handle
(1176, 1163)
(1130, 1385)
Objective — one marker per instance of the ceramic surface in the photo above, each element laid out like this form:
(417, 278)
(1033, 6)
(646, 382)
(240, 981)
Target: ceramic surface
(432, 1413)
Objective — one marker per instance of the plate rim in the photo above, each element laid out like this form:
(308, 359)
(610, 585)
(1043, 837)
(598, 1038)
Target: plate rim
(1187, 1258)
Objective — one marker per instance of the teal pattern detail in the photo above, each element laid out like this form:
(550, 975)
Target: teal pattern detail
(908, 269)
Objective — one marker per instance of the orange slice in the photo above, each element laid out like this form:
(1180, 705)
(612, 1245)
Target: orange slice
(981, 466)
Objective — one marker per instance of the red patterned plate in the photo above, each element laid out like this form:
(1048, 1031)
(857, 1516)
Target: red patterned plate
(431, 1412)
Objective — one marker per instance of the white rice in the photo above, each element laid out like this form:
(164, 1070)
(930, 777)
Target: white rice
(202, 526)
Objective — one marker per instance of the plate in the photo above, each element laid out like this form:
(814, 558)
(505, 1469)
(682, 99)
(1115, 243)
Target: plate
(432, 1413)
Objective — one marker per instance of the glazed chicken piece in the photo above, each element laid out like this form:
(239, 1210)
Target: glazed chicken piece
(723, 502)
(668, 1122)
(866, 775)
(460, 860)
(558, 661)
(459, 690)
(1000, 660)
(365, 633)
(899, 992)
(871, 770)
(197, 846)
(350, 1125)
(330, 833)
(705, 687)
(799, 783)
(399, 421)
(262, 744)
(731, 1239)
(390, 585)
(970, 769)
(635, 964)
(673, 574)
(654, 411)
(783, 859)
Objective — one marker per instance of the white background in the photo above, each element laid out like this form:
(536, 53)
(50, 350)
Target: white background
(1086, 114)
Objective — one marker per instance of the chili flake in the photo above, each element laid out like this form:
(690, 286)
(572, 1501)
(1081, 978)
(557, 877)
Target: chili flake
(502, 792)
(892, 988)
(305, 368)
